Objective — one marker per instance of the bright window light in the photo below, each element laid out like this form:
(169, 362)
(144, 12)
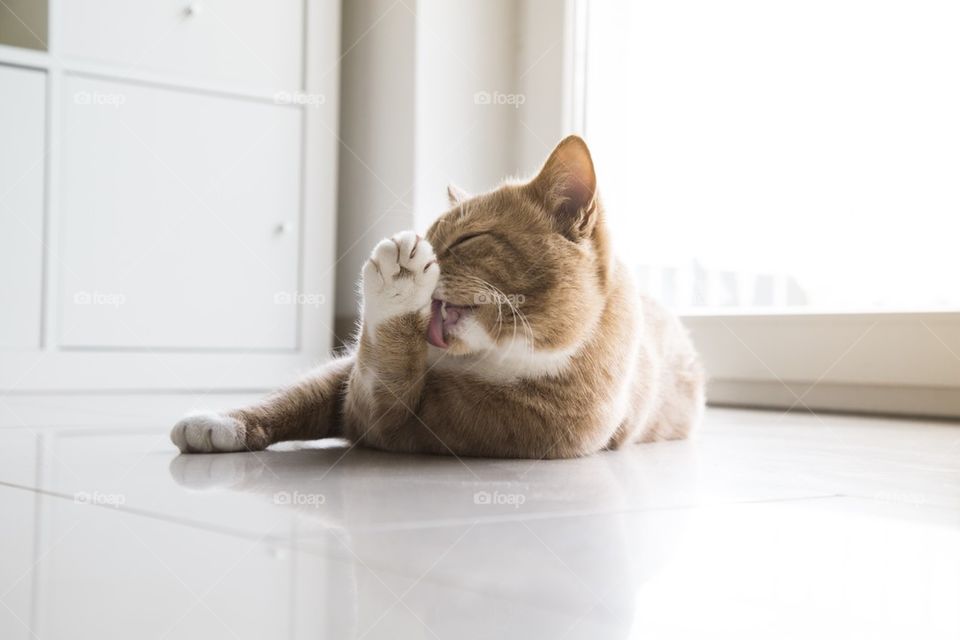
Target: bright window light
(773, 156)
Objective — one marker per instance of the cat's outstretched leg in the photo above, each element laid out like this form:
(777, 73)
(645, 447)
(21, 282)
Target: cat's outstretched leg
(308, 410)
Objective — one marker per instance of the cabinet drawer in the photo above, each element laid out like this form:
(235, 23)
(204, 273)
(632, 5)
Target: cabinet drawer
(180, 217)
(254, 44)
(22, 112)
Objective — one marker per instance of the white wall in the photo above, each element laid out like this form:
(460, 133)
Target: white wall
(416, 75)
(543, 74)
(466, 51)
(377, 136)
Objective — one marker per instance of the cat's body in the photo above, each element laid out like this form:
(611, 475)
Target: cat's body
(521, 336)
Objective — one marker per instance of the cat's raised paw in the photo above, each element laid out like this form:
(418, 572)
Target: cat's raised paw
(208, 432)
(399, 277)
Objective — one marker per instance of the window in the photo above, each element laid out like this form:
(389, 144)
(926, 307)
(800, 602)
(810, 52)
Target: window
(787, 174)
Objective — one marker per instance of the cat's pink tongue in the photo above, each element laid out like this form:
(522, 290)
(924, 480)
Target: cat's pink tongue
(435, 330)
(439, 324)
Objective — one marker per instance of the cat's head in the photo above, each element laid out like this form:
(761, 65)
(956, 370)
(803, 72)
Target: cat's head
(525, 265)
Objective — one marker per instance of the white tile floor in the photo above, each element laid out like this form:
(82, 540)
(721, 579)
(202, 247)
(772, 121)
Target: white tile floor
(764, 526)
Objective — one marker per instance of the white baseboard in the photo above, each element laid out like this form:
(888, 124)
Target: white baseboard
(110, 410)
(935, 402)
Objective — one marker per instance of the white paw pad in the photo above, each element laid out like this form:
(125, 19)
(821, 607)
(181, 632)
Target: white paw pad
(208, 432)
(399, 277)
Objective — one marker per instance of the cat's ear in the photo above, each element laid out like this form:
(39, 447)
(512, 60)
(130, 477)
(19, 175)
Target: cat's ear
(456, 195)
(567, 186)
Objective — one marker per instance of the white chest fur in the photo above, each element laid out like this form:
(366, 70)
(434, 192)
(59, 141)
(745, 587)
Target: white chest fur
(502, 363)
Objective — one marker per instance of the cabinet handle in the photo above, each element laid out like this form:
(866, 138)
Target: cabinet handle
(283, 227)
(193, 9)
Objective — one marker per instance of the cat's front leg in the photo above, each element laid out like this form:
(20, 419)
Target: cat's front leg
(398, 284)
(309, 409)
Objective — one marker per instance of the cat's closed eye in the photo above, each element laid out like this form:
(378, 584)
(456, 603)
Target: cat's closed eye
(464, 238)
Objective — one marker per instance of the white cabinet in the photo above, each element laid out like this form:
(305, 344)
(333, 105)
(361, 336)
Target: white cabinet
(256, 44)
(22, 113)
(167, 207)
(180, 218)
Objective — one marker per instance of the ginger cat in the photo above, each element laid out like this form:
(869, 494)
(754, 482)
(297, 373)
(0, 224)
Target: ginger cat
(509, 331)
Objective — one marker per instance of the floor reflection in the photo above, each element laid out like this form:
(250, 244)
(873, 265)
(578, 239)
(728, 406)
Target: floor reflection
(765, 526)
(462, 545)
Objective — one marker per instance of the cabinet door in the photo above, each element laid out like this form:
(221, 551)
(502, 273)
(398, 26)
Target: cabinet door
(180, 215)
(254, 44)
(22, 159)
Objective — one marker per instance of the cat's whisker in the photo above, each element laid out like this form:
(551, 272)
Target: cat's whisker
(501, 297)
(486, 290)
